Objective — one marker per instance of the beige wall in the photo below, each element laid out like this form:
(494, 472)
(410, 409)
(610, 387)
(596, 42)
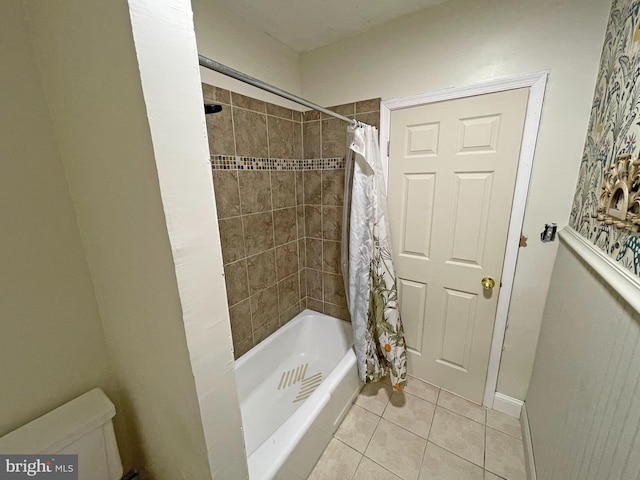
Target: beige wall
(462, 42)
(226, 38)
(93, 86)
(51, 342)
(583, 404)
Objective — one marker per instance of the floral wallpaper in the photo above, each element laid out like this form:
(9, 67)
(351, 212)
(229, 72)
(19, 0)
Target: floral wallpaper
(614, 129)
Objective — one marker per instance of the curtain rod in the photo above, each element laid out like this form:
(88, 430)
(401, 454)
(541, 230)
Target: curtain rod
(230, 72)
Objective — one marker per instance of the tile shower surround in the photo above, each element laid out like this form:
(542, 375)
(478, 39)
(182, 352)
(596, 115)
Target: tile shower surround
(279, 177)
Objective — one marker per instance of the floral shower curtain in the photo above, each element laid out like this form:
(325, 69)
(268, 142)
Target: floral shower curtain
(367, 264)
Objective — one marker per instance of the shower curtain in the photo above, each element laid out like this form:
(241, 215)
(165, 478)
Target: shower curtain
(367, 264)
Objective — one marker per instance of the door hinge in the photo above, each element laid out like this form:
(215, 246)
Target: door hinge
(388, 147)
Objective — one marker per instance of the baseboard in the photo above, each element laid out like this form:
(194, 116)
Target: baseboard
(529, 463)
(506, 404)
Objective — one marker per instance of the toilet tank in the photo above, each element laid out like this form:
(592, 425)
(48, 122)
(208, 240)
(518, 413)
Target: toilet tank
(82, 426)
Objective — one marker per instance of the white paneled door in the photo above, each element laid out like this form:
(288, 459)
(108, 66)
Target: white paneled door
(452, 171)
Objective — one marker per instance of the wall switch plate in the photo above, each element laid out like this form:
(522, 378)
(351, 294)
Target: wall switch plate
(549, 233)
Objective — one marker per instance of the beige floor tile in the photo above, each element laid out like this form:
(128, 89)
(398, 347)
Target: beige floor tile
(397, 450)
(357, 428)
(459, 435)
(412, 413)
(460, 405)
(439, 464)
(505, 455)
(374, 397)
(338, 462)
(504, 423)
(370, 470)
(421, 389)
(491, 476)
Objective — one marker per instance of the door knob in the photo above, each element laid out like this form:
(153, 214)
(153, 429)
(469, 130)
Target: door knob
(488, 283)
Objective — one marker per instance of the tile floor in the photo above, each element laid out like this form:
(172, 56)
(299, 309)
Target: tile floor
(423, 433)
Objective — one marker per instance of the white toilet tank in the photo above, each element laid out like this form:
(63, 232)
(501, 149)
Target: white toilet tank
(82, 426)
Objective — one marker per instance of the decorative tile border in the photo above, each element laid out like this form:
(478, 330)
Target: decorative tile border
(234, 162)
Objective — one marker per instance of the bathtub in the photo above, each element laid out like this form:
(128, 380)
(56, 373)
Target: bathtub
(295, 388)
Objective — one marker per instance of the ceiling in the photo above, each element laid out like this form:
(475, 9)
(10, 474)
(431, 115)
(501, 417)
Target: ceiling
(307, 24)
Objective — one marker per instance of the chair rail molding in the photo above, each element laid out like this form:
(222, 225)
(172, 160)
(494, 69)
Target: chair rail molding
(622, 281)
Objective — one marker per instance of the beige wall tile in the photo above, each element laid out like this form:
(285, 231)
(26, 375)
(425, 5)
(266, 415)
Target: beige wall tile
(250, 130)
(297, 141)
(263, 271)
(300, 221)
(283, 187)
(225, 185)
(249, 103)
(263, 332)
(285, 225)
(314, 254)
(312, 187)
(240, 315)
(313, 221)
(231, 239)
(311, 139)
(290, 313)
(302, 252)
(332, 223)
(314, 284)
(334, 289)
(302, 275)
(331, 257)
(371, 105)
(279, 111)
(241, 347)
(264, 307)
(258, 232)
(334, 138)
(287, 260)
(255, 191)
(215, 94)
(345, 109)
(235, 278)
(282, 138)
(220, 132)
(310, 115)
(333, 187)
(315, 305)
(299, 187)
(338, 312)
(288, 292)
(371, 118)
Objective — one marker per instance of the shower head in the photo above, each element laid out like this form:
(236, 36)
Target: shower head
(212, 108)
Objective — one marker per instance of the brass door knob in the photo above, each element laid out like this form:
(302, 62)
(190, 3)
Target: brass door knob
(488, 283)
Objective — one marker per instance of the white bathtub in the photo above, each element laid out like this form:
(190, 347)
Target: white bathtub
(295, 388)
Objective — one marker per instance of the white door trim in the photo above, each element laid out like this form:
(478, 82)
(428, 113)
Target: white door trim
(536, 82)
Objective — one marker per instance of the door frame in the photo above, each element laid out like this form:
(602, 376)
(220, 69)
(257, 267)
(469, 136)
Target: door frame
(536, 82)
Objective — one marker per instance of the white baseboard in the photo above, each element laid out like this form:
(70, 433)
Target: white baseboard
(506, 404)
(529, 462)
